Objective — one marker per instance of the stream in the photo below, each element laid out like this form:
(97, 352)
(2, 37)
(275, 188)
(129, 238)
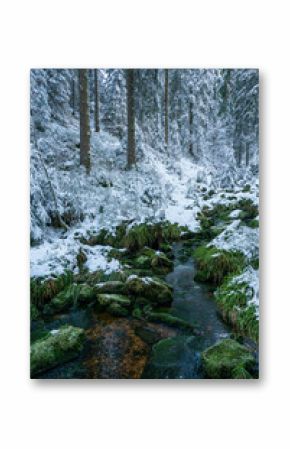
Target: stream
(122, 347)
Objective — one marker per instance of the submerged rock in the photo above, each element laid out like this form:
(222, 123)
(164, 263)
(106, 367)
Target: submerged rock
(155, 290)
(58, 347)
(227, 359)
(172, 358)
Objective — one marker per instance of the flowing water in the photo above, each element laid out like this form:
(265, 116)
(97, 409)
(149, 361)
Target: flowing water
(116, 347)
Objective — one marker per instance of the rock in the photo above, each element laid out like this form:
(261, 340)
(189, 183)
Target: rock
(111, 287)
(172, 358)
(155, 290)
(58, 347)
(106, 299)
(226, 359)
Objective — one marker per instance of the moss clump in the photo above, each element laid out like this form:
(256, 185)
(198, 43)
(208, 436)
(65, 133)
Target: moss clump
(248, 208)
(55, 349)
(214, 265)
(155, 290)
(232, 299)
(42, 291)
(75, 294)
(226, 360)
(254, 224)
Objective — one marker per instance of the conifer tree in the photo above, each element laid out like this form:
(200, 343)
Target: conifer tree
(84, 120)
(131, 151)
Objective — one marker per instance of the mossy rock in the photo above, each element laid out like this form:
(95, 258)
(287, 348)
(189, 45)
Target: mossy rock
(157, 291)
(56, 349)
(117, 287)
(106, 299)
(171, 358)
(170, 320)
(226, 359)
(213, 264)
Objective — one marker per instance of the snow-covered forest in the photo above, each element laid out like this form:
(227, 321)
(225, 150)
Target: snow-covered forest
(140, 180)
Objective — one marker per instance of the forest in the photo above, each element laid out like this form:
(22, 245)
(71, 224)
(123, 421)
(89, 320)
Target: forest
(144, 237)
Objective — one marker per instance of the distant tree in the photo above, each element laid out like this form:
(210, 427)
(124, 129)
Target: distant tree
(190, 122)
(84, 120)
(97, 106)
(131, 151)
(166, 108)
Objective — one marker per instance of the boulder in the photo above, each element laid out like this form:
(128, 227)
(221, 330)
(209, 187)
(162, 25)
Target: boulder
(155, 290)
(227, 359)
(111, 287)
(117, 310)
(58, 347)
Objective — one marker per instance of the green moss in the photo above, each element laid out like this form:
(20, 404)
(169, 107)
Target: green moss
(213, 265)
(226, 360)
(111, 287)
(56, 349)
(106, 299)
(75, 294)
(232, 299)
(42, 291)
(253, 224)
(155, 290)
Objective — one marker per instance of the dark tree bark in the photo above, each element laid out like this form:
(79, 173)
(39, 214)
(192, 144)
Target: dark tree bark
(84, 120)
(97, 106)
(73, 96)
(190, 120)
(166, 108)
(131, 150)
(247, 154)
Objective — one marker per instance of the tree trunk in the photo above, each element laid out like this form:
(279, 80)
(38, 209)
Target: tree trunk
(190, 119)
(131, 151)
(97, 107)
(247, 154)
(166, 109)
(73, 96)
(84, 120)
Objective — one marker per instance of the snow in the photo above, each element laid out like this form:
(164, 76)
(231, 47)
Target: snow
(251, 278)
(54, 257)
(237, 237)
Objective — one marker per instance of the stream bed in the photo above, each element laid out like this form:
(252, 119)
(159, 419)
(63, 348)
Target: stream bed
(130, 348)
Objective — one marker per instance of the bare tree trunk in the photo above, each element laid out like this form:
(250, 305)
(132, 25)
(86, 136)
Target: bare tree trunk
(166, 108)
(131, 151)
(190, 120)
(247, 154)
(84, 120)
(97, 107)
(73, 96)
